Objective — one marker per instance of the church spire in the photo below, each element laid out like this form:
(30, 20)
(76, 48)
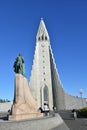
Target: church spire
(42, 34)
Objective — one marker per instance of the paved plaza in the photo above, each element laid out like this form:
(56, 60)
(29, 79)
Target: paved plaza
(46, 123)
(79, 124)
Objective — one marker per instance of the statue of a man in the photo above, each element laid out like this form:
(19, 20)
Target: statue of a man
(19, 65)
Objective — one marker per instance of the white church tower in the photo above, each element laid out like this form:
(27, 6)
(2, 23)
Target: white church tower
(44, 82)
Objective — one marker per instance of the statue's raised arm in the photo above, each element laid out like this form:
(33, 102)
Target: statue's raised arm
(19, 65)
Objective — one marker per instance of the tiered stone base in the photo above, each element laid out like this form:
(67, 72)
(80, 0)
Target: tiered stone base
(25, 116)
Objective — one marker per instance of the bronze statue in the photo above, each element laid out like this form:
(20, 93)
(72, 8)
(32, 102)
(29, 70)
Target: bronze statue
(19, 65)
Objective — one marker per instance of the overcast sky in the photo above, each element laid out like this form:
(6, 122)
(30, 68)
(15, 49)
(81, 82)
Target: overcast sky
(66, 22)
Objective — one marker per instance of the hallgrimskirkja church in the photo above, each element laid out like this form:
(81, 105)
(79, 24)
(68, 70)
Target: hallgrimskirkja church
(45, 84)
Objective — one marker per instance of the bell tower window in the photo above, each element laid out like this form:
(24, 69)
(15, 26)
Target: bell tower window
(45, 37)
(42, 37)
(39, 39)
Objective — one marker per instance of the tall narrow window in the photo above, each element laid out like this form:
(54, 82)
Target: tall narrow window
(45, 93)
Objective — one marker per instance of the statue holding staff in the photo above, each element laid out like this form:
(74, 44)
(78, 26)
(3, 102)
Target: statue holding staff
(19, 65)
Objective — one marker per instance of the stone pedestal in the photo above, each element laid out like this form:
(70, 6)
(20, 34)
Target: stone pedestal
(24, 105)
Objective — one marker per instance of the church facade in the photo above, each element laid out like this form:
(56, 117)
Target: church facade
(45, 84)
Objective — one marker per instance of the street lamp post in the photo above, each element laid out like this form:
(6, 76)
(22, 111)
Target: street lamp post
(81, 94)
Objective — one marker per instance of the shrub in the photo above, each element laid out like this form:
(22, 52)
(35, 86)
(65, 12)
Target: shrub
(82, 112)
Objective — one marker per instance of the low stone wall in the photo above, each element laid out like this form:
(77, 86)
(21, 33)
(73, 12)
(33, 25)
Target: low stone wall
(4, 107)
(72, 102)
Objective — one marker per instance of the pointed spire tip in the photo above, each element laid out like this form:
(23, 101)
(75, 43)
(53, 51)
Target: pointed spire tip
(42, 30)
(41, 18)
